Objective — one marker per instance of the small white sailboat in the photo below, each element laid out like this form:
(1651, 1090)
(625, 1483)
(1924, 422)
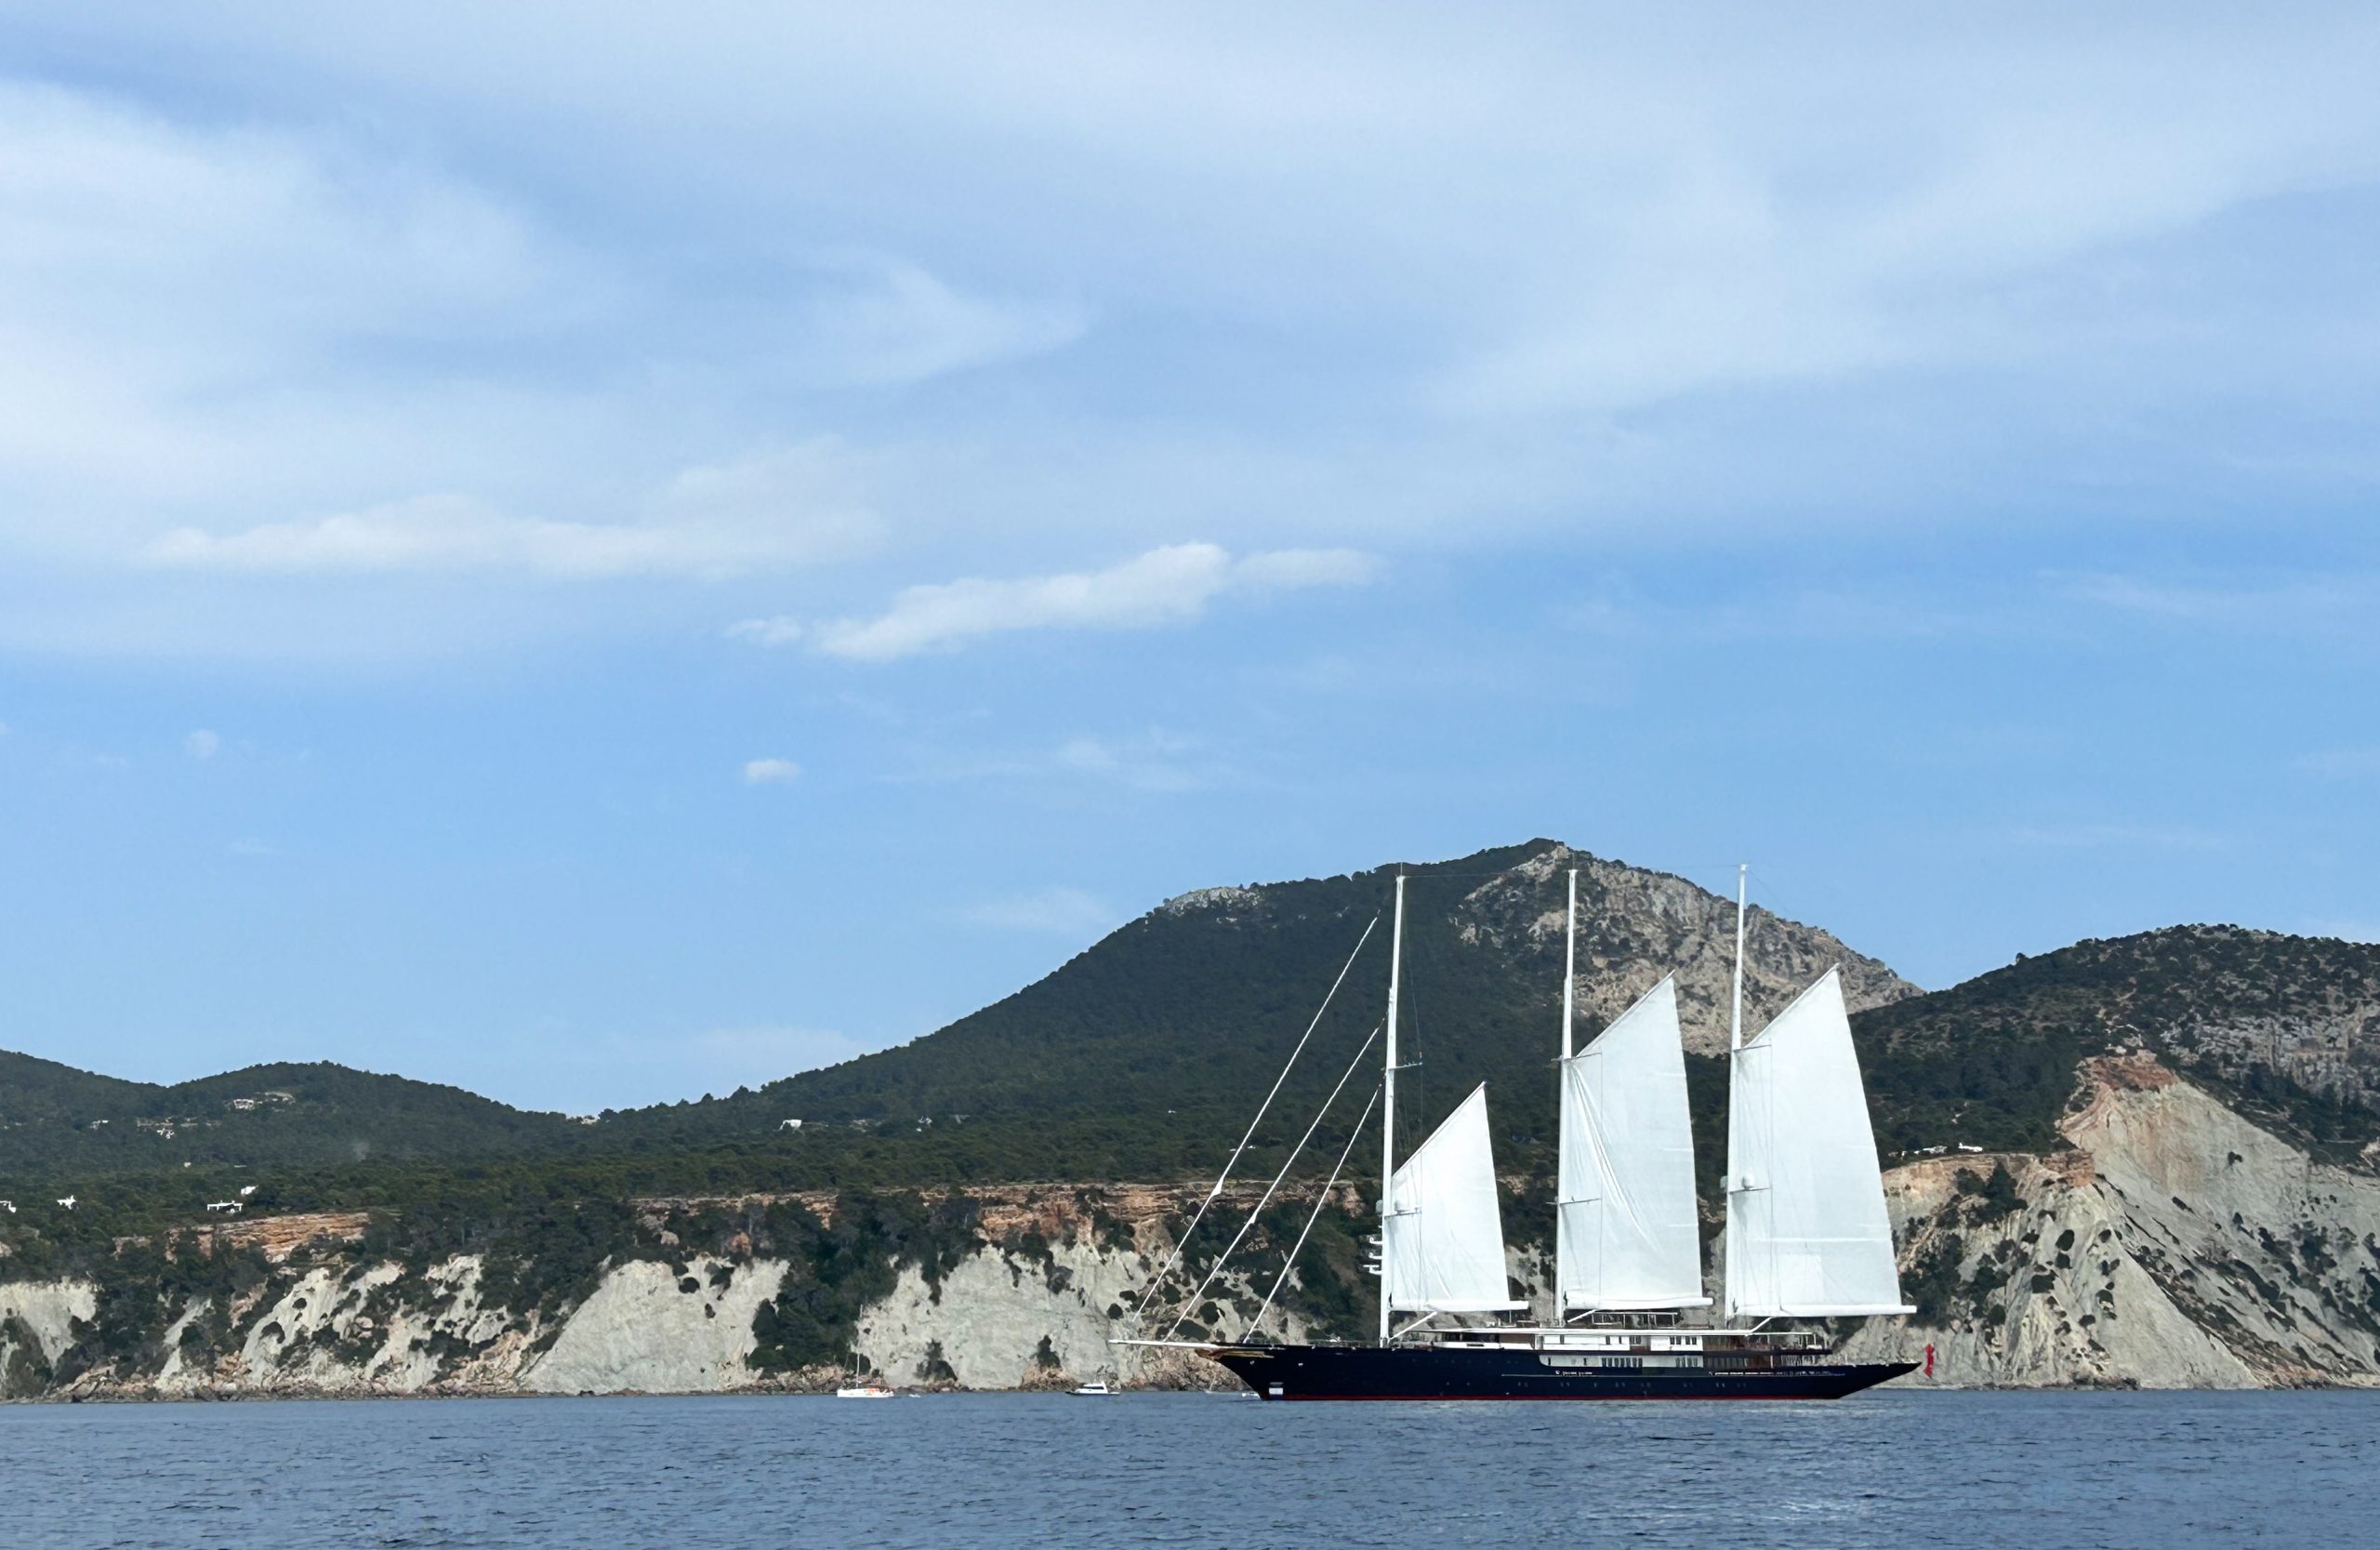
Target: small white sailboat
(856, 1389)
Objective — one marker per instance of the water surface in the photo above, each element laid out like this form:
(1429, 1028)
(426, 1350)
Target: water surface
(1979, 1471)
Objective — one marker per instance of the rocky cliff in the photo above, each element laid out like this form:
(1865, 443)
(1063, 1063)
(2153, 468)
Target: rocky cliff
(1022, 1287)
(2168, 1242)
(2173, 1244)
(2147, 1161)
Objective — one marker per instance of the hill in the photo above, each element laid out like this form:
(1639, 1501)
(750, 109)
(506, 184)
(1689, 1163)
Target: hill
(55, 1119)
(2152, 1206)
(2286, 1029)
(1144, 1056)
(1172, 1029)
(1138, 1058)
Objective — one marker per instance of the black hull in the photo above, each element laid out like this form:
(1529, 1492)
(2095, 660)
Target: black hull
(1423, 1372)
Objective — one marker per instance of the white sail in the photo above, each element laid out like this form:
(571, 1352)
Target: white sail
(1807, 1235)
(1626, 1234)
(1443, 1232)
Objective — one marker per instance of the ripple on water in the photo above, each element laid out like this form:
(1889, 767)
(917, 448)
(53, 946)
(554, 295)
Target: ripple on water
(1983, 1471)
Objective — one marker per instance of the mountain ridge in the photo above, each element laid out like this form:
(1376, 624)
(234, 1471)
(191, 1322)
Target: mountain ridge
(1133, 1055)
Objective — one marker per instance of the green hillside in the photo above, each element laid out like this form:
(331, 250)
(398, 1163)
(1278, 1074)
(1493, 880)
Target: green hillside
(1144, 1057)
(55, 1120)
(1159, 1043)
(2283, 1027)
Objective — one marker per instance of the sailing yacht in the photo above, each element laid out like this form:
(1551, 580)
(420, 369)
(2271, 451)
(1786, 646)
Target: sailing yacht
(1806, 1233)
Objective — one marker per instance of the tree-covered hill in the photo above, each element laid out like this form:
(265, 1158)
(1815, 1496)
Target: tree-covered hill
(1144, 1057)
(1177, 1024)
(55, 1120)
(2285, 1028)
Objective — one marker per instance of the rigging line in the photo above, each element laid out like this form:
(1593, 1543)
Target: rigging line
(1139, 1309)
(1311, 1217)
(1288, 1162)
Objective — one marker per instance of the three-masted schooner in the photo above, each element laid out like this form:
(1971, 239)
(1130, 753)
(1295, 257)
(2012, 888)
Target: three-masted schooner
(1807, 1237)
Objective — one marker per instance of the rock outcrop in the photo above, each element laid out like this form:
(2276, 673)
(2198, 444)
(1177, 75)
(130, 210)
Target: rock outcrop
(2169, 1242)
(2176, 1246)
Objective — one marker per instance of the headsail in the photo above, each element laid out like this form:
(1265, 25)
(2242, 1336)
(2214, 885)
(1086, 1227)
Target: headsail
(1626, 1231)
(1444, 1232)
(1807, 1235)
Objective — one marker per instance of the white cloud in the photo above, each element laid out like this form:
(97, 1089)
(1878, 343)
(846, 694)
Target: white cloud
(781, 631)
(905, 326)
(1171, 585)
(202, 744)
(1438, 282)
(1152, 761)
(771, 772)
(1056, 911)
(2286, 604)
(454, 533)
(175, 299)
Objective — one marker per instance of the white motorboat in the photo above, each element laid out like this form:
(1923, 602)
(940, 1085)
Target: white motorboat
(1091, 1391)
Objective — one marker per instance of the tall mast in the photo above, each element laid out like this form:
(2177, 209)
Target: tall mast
(1736, 1009)
(1570, 963)
(1388, 1109)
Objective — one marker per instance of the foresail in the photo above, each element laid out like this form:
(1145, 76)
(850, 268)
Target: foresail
(1443, 1237)
(1807, 1235)
(1627, 1233)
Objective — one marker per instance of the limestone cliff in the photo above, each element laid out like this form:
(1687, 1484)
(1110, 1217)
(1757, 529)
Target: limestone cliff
(1028, 1293)
(2175, 1245)
(2169, 1242)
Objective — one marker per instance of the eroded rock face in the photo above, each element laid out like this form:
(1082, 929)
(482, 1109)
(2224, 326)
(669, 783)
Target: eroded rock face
(2178, 1246)
(36, 1329)
(647, 1330)
(1003, 1321)
(2173, 1244)
(1636, 925)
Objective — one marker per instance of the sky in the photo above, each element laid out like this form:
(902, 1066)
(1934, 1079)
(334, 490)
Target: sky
(605, 553)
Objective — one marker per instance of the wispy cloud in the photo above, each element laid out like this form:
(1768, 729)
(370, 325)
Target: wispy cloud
(1168, 585)
(771, 772)
(202, 744)
(456, 533)
(1155, 760)
(1056, 911)
(899, 323)
(2287, 605)
(1146, 762)
(781, 631)
(1804, 614)
(2342, 763)
(2114, 836)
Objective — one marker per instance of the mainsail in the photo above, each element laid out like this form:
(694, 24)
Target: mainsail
(1626, 1234)
(1807, 1235)
(1443, 1237)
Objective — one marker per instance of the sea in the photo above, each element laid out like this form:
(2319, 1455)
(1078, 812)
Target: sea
(1972, 1470)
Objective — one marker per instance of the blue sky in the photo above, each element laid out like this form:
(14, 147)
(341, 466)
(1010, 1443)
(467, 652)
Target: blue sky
(601, 555)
